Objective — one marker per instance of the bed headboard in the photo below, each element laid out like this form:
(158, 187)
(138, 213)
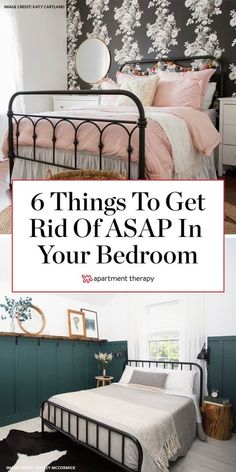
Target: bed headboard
(182, 62)
(169, 365)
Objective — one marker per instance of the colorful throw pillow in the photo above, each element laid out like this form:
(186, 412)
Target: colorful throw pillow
(144, 87)
(179, 93)
(171, 66)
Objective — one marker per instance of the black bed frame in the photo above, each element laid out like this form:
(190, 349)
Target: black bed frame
(53, 408)
(140, 123)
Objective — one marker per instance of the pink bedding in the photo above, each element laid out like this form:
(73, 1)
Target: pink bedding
(159, 162)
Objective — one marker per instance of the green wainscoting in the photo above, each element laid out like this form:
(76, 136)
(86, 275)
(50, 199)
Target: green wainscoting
(34, 368)
(222, 368)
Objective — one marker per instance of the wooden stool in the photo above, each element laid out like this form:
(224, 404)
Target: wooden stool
(217, 420)
(102, 381)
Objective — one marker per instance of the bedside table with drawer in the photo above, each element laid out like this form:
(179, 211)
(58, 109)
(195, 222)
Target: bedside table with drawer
(227, 151)
(63, 102)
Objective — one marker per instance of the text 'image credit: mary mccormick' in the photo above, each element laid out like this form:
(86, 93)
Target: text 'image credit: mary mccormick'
(104, 236)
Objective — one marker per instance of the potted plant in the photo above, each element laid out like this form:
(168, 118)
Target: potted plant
(104, 360)
(14, 309)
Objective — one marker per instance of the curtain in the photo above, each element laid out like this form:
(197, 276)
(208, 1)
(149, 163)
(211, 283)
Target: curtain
(11, 76)
(189, 311)
(194, 332)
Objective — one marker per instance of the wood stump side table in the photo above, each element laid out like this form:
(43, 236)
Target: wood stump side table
(217, 420)
(102, 381)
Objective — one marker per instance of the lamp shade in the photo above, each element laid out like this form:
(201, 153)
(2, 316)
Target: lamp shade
(203, 354)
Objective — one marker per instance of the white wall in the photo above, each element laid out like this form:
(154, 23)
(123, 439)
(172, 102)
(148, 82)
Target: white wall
(221, 308)
(53, 306)
(43, 37)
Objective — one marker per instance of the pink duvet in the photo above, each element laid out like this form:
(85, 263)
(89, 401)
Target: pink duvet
(158, 159)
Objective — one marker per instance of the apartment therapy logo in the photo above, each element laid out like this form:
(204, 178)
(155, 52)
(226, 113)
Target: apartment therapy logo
(87, 279)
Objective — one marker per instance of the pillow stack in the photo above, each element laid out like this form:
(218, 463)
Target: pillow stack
(164, 89)
(144, 87)
(170, 380)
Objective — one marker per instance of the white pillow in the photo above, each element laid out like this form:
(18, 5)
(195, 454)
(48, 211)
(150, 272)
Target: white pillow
(180, 381)
(144, 87)
(127, 374)
(207, 101)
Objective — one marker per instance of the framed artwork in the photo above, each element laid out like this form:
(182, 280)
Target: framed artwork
(91, 323)
(76, 321)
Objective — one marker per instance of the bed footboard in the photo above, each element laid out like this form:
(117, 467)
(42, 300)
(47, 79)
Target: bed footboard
(75, 122)
(106, 441)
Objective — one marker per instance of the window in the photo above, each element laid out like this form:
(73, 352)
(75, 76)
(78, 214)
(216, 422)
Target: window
(164, 347)
(164, 331)
(11, 70)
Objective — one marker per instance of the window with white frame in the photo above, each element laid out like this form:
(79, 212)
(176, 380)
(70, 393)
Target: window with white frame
(10, 55)
(164, 329)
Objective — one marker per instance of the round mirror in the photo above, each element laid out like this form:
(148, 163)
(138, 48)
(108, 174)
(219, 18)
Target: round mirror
(93, 60)
(34, 324)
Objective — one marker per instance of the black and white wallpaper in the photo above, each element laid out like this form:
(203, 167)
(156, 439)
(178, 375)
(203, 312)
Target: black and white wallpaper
(135, 29)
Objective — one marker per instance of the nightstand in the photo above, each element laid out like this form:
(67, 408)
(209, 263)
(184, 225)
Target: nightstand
(63, 102)
(102, 381)
(227, 150)
(217, 420)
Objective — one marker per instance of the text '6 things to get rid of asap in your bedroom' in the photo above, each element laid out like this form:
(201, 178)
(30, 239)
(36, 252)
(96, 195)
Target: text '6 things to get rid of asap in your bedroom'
(108, 236)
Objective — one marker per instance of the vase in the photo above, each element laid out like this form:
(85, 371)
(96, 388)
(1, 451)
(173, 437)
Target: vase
(104, 373)
(12, 325)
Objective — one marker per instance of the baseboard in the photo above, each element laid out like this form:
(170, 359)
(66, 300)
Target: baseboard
(27, 415)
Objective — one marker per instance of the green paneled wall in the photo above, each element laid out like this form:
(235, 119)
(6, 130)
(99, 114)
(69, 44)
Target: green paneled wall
(33, 369)
(222, 368)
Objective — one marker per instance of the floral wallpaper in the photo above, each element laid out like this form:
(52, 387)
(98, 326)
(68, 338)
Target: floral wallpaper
(128, 17)
(232, 67)
(164, 32)
(136, 29)
(74, 30)
(202, 18)
(98, 8)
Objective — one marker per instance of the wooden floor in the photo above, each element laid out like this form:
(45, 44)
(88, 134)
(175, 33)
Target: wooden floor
(213, 456)
(5, 194)
(230, 187)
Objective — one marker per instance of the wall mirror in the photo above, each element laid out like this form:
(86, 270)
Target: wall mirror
(35, 324)
(93, 60)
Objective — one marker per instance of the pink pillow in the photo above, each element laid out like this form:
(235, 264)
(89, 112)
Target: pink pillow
(179, 93)
(120, 76)
(108, 84)
(203, 75)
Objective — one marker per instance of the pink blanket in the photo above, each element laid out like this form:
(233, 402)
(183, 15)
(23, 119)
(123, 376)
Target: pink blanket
(159, 162)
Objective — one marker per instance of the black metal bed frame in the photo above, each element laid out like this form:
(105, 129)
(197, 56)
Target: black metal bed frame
(77, 122)
(53, 408)
(139, 124)
(219, 74)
